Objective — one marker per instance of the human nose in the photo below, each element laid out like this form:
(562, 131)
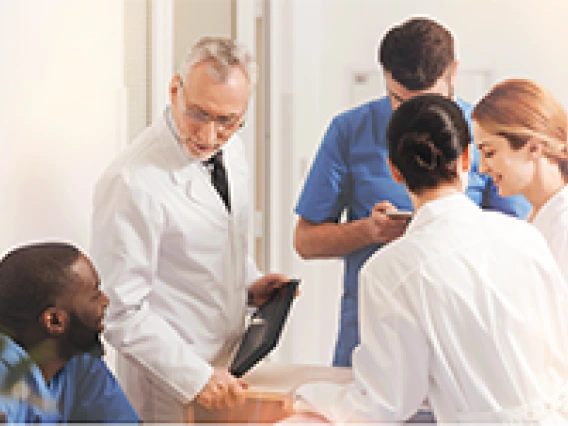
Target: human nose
(483, 166)
(208, 132)
(105, 299)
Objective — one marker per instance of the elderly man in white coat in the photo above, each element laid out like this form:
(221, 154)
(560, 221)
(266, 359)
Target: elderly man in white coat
(468, 309)
(170, 240)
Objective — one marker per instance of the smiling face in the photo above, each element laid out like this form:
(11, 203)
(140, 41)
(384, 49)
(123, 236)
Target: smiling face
(206, 111)
(512, 170)
(87, 306)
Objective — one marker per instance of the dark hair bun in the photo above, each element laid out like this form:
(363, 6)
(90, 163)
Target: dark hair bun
(425, 154)
(425, 136)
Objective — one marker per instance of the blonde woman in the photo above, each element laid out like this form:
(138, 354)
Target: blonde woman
(521, 130)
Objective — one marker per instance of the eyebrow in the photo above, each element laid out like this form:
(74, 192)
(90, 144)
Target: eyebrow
(230, 116)
(482, 145)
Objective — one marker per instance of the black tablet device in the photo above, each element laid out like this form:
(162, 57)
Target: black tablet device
(264, 330)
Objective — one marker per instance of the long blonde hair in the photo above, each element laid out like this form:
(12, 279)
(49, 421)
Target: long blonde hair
(521, 110)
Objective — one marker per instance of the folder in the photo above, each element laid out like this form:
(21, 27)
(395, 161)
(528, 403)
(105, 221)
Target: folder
(265, 328)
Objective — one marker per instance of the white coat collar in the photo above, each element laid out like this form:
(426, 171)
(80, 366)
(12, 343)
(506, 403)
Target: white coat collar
(190, 173)
(452, 204)
(553, 207)
(182, 163)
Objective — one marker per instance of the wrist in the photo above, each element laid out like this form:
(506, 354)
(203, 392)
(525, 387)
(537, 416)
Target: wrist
(364, 227)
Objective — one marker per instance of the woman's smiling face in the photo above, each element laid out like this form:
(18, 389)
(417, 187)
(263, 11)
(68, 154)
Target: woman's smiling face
(512, 170)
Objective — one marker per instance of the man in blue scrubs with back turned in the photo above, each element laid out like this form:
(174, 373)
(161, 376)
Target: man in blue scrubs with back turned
(51, 316)
(350, 173)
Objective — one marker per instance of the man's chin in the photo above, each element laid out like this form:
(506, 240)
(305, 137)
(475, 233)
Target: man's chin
(200, 154)
(503, 192)
(97, 349)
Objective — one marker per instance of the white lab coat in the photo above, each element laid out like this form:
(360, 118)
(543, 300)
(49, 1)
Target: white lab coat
(467, 309)
(552, 221)
(175, 266)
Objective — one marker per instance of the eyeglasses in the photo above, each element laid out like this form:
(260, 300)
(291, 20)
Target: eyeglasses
(200, 117)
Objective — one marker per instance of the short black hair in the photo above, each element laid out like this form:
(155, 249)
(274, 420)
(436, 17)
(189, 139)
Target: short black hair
(417, 53)
(426, 134)
(31, 278)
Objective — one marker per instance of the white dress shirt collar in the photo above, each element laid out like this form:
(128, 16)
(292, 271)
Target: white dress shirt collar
(432, 209)
(549, 211)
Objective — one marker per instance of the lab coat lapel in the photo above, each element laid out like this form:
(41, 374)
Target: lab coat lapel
(235, 177)
(192, 175)
(202, 192)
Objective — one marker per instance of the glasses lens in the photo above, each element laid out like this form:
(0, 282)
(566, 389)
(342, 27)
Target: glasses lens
(223, 124)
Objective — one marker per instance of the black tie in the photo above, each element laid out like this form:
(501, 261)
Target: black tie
(219, 177)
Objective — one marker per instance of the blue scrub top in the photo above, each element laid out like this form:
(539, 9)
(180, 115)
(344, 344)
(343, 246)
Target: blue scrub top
(350, 173)
(84, 390)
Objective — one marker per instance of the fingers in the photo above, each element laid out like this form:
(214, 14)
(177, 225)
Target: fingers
(263, 288)
(267, 283)
(277, 280)
(383, 228)
(383, 206)
(236, 394)
(244, 385)
(222, 391)
(380, 214)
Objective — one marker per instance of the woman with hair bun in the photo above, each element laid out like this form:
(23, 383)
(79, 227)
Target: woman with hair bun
(521, 131)
(467, 309)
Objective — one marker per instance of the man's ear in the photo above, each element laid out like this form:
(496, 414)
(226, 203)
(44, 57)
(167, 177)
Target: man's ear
(54, 321)
(453, 72)
(465, 158)
(175, 85)
(397, 177)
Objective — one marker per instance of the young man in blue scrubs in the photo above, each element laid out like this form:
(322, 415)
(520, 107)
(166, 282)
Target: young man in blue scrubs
(350, 173)
(51, 306)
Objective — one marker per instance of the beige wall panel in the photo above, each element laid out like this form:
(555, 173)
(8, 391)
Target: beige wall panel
(195, 18)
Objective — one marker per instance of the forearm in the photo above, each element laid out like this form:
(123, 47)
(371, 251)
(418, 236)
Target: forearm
(329, 240)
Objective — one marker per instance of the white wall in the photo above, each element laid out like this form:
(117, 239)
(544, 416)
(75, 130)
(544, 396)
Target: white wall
(61, 75)
(195, 18)
(320, 44)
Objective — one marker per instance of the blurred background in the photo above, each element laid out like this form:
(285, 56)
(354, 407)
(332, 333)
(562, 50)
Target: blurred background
(80, 78)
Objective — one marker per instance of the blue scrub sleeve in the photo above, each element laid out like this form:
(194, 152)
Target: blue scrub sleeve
(322, 198)
(99, 397)
(20, 411)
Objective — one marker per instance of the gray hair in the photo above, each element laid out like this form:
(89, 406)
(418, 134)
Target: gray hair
(222, 53)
